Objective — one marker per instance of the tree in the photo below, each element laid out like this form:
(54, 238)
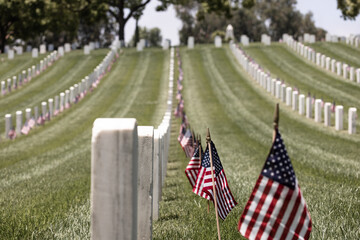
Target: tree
(20, 19)
(350, 9)
(152, 36)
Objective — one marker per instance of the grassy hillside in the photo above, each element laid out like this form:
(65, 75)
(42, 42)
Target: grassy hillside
(219, 95)
(45, 176)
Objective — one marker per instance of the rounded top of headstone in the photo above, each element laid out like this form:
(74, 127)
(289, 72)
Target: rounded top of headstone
(18, 112)
(229, 27)
(8, 115)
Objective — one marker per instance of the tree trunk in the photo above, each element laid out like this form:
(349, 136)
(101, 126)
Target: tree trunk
(2, 40)
(136, 32)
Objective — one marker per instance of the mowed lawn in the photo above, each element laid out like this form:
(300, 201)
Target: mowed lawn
(220, 95)
(45, 176)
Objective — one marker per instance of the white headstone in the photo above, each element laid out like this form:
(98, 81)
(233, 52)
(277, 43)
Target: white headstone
(278, 89)
(309, 107)
(327, 63)
(352, 73)
(318, 59)
(218, 41)
(35, 53)
(191, 42)
(358, 75)
(61, 51)
(3, 87)
(51, 47)
(288, 96)
(72, 95)
(244, 40)
(11, 54)
(318, 110)
(338, 68)
(114, 174)
(339, 110)
(283, 93)
(86, 49)
(145, 181)
(36, 114)
(273, 86)
(268, 84)
(44, 108)
(345, 70)
(327, 114)
(295, 100)
(62, 101)
(139, 47)
(352, 120)
(51, 107)
(42, 49)
(166, 44)
(19, 50)
(18, 122)
(67, 47)
(229, 35)
(28, 114)
(333, 62)
(301, 104)
(8, 125)
(323, 58)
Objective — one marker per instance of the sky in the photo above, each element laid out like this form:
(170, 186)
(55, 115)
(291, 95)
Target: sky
(325, 14)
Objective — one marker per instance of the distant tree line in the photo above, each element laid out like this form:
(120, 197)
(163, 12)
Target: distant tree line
(60, 21)
(273, 17)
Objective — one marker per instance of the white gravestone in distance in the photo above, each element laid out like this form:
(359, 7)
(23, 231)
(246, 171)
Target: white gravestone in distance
(301, 104)
(19, 50)
(86, 49)
(352, 120)
(67, 47)
(28, 114)
(309, 107)
(35, 53)
(229, 35)
(327, 114)
(244, 40)
(218, 41)
(18, 122)
(156, 175)
(338, 68)
(191, 42)
(61, 51)
(11, 54)
(318, 110)
(295, 100)
(288, 96)
(8, 125)
(358, 75)
(42, 49)
(339, 110)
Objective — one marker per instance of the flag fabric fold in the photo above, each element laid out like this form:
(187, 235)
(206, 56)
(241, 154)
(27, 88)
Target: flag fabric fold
(204, 185)
(276, 208)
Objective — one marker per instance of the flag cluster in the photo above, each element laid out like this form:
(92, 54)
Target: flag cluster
(275, 209)
(198, 171)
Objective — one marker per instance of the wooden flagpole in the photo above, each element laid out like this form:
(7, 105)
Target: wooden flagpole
(276, 121)
(208, 141)
(199, 146)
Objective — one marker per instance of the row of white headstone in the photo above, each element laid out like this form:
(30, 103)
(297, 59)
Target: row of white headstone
(35, 51)
(25, 76)
(64, 100)
(128, 169)
(336, 67)
(92, 46)
(299, 102)
(353, 40)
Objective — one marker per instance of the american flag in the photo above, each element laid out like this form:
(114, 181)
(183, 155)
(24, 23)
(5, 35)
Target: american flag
(193, 168)
(182, 132)
(31, 123)
(224, 197)
(26, 128)
(276, 208)
(187, 143)
(12, 134)
(40, 120)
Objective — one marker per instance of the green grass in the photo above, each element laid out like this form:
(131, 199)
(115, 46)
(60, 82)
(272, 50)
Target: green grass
(339, 51)
(45, 176)
(220, 95)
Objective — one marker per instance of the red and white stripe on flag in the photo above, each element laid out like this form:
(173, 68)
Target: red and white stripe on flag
(275, 211)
